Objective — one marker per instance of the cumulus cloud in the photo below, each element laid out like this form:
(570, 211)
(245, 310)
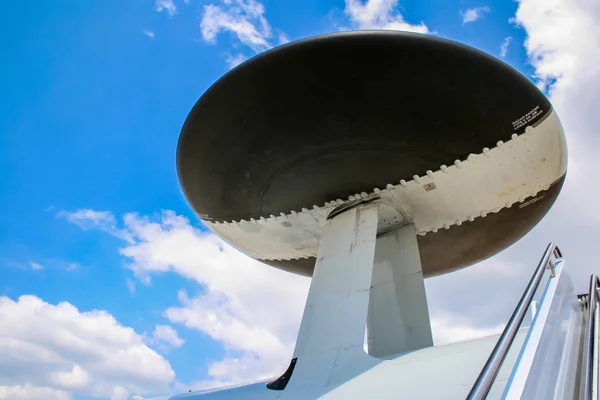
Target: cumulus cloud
(504, 46)
(29, 392)
(166, 337)
(379, 14)
(244, 19)
(241, 295)
(148, 33)
(53, 351)
(562, 37)
(166, 5)
(473, 14)
(253, 309)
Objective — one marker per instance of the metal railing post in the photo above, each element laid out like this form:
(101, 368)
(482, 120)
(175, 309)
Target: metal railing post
(488, 374)
(590, 369)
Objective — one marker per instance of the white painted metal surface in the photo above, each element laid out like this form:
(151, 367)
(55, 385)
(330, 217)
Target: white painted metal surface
(444, 372)
(398, 319)
(503, 176)
(533, 309)
(331, 336)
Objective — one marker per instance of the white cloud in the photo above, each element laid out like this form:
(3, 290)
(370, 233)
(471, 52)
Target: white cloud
(473, 14)
(119, 393)
(235, 60)
(504, 46)
(238, 303)
(379, 14)
(75, 378)
(563, 38)
(460, 302)
(166, 5)
(91, 219)
(282, 38)
(35, 266)
(29, 392)
(446, 330)
(148, 33)
(53, 351)
(245, 19)
(166, 335)
(87, 219)
(257, 349)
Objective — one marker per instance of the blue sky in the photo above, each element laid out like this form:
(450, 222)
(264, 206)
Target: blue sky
(93, 97)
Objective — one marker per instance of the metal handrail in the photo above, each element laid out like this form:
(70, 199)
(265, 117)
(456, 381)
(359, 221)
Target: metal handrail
(488, 374)
(590, 371)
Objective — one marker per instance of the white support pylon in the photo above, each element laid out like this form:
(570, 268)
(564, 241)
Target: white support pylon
(358, 278)
(332, 329)
(398, 318)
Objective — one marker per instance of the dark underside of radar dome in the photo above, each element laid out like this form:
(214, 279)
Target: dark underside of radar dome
(334, 115)
(330, 116)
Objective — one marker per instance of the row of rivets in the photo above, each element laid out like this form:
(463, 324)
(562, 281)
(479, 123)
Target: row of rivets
(458, 163)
